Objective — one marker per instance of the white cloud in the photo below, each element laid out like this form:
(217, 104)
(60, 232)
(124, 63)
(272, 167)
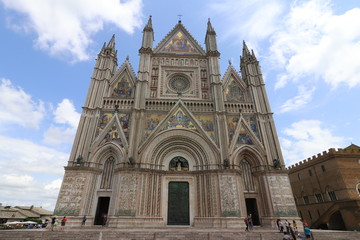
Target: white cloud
(25, 190)
(306, 138)
(65, 114)
(304, 97)
(15, 104)
(248, 20)
(316, 43)
(26, 157)
(65, 27)
(30, 173)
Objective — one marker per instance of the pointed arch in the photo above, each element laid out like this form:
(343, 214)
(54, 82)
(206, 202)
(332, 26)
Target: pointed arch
(250, 154)
(100, 154)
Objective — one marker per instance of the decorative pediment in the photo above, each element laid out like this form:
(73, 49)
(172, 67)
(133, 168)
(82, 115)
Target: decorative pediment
(178, 118)
(113, 131)
(244, 136)
(122, 84)
(179, 41)
(234, 86)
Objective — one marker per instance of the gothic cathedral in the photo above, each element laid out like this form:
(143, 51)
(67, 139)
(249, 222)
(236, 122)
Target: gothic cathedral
(176, 144)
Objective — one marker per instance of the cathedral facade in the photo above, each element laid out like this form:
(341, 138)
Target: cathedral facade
(176, 143)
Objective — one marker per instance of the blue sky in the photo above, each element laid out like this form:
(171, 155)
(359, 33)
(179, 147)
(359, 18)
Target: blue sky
(309, 52)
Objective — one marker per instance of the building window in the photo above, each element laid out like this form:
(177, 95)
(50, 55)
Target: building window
(247, 176)
(310, 173)
(309, 214)
(332, 196)
(299, 176)
(107, 174)
(306, 200)
(296, 203)
(319, 198)
(323, 168)
(300, 214)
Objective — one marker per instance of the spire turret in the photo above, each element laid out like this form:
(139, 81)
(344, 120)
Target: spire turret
(210, 40)
(246, 55)
(111, 44)
(148, 37)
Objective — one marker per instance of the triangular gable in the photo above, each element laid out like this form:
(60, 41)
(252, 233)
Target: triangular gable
(112, 132)
(234, 86)
(179, 41)
(244, 136)
(122, 84)
(178, 118)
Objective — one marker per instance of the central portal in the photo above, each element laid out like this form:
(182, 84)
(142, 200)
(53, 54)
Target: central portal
(178, 204)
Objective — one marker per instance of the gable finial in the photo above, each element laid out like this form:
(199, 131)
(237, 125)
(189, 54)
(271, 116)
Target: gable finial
(127, 58)
(179, 15)
(229, 61)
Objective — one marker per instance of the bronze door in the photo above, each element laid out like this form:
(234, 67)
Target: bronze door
(178, 204)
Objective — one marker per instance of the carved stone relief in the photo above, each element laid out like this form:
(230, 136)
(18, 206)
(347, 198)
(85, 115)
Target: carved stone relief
(230, 206)
(283, 200)
(127, 195)
(70, 196)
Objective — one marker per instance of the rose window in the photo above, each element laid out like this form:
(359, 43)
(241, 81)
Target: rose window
(179, 84)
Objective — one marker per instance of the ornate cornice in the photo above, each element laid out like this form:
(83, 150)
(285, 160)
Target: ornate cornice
(145, 50)
(213, 53)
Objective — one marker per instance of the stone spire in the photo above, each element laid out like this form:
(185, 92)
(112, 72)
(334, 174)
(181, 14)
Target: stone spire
(148, 37)
(246, 55)
(210, 41)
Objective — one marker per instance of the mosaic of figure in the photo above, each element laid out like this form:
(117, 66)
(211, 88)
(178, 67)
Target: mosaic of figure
(112, 135)
(233, 91)
(232, 123)
(244, 137)
(252, 123)
(207, 124)
(105, 118)
(179, 119)
(179, 44)
(152, 120)
(123, 88)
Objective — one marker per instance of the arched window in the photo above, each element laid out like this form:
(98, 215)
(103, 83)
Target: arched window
(107, 173)
(248, 179)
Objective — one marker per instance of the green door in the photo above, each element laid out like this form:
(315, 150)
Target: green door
(178, 204)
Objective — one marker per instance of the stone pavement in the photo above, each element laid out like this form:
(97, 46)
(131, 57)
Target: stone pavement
(168, 233)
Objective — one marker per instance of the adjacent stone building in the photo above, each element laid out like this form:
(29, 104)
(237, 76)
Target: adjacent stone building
(176, 143)
(326, 188)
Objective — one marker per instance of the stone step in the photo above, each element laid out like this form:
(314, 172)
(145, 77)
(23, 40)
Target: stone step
(163, 234)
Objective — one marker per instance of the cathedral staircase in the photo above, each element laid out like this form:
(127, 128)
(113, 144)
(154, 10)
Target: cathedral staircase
(104, 233)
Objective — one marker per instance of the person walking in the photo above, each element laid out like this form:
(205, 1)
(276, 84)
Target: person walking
(308, 233)
(246, 220)
(83, 220)
(250, 222)
(53, 220)
(63, 222)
